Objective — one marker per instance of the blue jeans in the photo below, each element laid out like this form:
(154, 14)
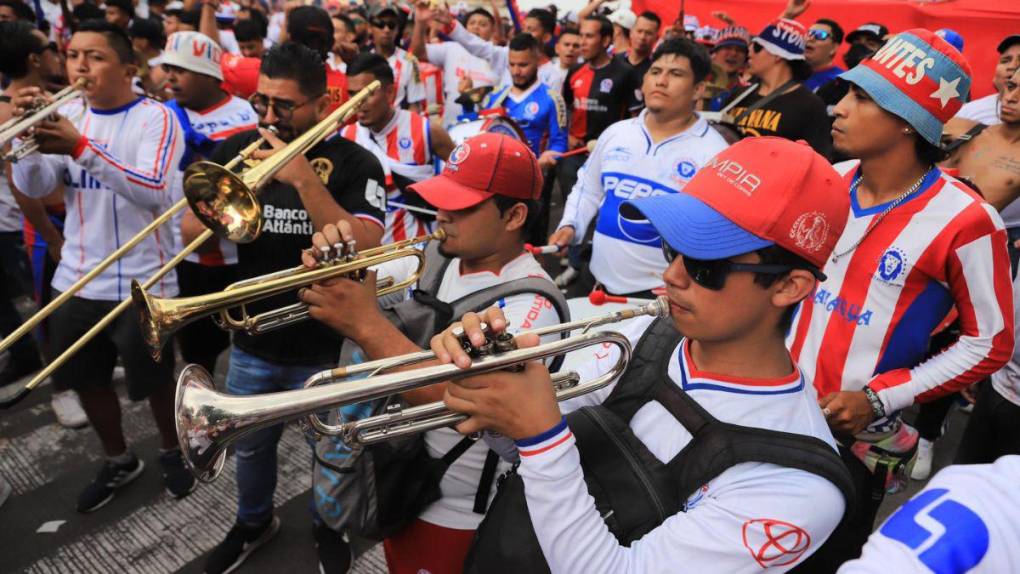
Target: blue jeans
(256, 452)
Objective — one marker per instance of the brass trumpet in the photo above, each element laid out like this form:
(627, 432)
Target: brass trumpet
(20, 126)
(161, 317)
(208, 421)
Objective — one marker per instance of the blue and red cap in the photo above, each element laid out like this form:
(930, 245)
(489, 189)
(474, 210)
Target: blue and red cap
(739, 202)
(917, 76)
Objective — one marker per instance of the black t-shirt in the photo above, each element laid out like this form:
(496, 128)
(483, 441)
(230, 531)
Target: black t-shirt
(287, 229)
(797, 115)
(600, 97)
(641, 68)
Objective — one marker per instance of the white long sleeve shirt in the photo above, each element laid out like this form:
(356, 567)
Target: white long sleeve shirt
(457, 63)
(117, 181)
(625, 164)
(751, 517)
(967, 519)
(499, 58)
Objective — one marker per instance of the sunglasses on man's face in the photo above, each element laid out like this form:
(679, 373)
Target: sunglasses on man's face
(712, 273)
(820, 35)
(756, 47)
(282, 109)
(391, 24)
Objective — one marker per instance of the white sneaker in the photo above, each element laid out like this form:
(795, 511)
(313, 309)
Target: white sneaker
(925, 454)
(567, 277)
(68, 409)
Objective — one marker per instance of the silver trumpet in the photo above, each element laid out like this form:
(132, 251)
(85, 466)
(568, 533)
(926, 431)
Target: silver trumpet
(19, 126)
(209, 421)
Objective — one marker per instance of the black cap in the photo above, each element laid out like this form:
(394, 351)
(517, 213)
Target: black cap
(380, 9)
(873, 29)
(1008, 42)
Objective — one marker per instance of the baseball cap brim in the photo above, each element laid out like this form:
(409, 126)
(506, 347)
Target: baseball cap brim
(731, 42)
(171, 58)
(444, 193)
(692, 227)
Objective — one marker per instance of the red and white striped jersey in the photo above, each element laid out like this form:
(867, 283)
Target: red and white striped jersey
(405, 141)
(870, 321)
(231, 116)
(116, 181)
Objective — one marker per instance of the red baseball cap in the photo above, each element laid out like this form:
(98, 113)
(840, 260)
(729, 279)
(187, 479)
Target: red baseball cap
(480, 167)
(741, 202)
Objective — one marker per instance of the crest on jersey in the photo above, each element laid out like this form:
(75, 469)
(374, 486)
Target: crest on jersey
(531, 110)
(323, 168)
(892, 265)
(404, 143)
(606, 85)
(809, 231)
(686, 169)
(775, 542)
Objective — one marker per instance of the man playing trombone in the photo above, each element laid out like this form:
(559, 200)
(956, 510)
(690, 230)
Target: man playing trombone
(327, 185)
(487, 200)
(117, 160)
(744, 243)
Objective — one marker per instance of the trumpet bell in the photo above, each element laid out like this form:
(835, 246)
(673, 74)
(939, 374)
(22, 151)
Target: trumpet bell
(197, 419)
(223, 202)
(151, 318)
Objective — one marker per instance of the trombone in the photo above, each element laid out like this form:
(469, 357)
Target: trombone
(161, 317)
(240, 219)
(19, 126)
(209, 421)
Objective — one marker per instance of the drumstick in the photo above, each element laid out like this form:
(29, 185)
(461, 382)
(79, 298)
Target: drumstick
(542, 249)
(599, 297)
(587, 148)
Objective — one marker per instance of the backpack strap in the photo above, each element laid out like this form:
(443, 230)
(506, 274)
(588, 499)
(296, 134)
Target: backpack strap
(718, 446)
(634, 388)
(972, 133)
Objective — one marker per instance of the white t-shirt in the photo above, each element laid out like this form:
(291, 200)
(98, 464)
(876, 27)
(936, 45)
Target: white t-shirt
(523, 312)
(626, 254)
(410, 88)
(231, 116)
(967, 519)
(10, 214)
(982, 110)
(732, 524)
(118, 180)
(456, 63)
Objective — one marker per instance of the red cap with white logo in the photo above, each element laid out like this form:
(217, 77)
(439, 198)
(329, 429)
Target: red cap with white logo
(740, 202)
(481, 167)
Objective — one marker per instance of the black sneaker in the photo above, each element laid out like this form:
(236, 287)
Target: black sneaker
(240, 542)
(111, 477)
(335, 555)
(178, 479)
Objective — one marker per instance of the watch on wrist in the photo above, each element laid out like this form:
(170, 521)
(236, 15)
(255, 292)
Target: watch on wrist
(876, 403)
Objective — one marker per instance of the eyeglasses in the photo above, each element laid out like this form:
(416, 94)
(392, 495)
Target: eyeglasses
(820, 35)
(391, 24)
(51, 46)
(712, 273)
(282, 109)
(756, 47)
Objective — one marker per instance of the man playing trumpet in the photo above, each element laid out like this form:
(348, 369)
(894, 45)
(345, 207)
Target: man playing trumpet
(117, 160)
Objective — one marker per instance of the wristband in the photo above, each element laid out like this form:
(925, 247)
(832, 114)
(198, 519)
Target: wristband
(876, 403)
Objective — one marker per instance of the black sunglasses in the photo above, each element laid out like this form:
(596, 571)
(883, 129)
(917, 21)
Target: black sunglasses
(712, 273)
(756, 47)
(391, 24)
(820, 35)
(282, 109)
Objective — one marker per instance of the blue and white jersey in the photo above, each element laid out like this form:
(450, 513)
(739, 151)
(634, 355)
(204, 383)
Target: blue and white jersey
(540, 113)
(625, 164)
(967, 520)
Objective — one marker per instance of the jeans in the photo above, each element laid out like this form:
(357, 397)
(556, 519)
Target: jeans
(256, 452)
(993, 429)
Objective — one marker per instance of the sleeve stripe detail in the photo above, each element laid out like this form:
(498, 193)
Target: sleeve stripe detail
(154, 179)
(548, 447)
(366, 217)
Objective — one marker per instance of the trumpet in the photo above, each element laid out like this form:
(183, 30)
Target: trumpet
(161, 317)
(239, 218)
(209, 421)
(19, 126)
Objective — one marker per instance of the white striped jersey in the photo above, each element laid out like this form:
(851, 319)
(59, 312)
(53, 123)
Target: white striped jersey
(967, 519)
(625, 164)
(119, 178)
(407, 146)
(751, 517)
(231, 116)
(410, 88)
(870, 321)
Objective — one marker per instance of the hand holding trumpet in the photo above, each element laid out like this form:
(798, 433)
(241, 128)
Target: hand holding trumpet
(54, 134)
(516, 404)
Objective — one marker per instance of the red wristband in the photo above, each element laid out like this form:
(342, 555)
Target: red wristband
(79, 148)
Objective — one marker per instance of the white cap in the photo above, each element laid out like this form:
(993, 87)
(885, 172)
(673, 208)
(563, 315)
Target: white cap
(691, 23)
(175, 5)
(194, 52)
(623, 18)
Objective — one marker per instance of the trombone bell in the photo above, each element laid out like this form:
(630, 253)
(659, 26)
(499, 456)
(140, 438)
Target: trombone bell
(223, 202)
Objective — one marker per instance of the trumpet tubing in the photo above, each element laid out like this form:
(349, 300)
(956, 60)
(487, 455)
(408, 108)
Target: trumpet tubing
(208, 421)
(18, 127)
